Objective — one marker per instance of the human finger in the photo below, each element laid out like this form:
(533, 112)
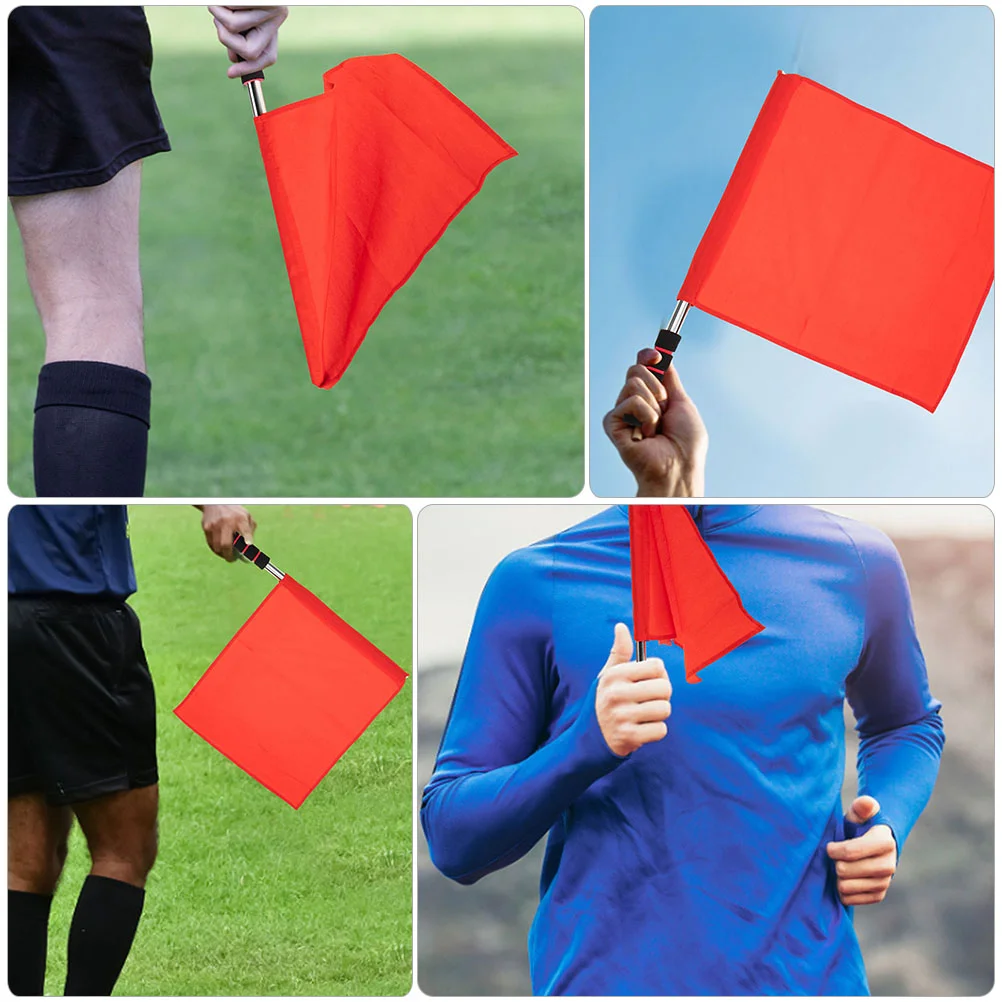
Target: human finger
(649, 379)
(645, 734)
(651, 688)
(636, 386)
(650, 710)
(642, 410)
(240, 19)
(622, 646)
(873, 866)
(638, 671)
(673, 386)
(870, 898)
(869, 886)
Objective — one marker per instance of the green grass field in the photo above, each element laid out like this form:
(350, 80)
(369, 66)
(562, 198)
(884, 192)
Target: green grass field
(250, 897)
(470, 383)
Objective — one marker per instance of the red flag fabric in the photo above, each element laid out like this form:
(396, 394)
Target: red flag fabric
(365, 178)
(679, 591)
(849, 238)
(291, 692)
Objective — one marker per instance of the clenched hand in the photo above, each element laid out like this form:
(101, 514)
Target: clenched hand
(668, 455)
(865, 865)
(633, 698)
(220, 522)
(250, 35)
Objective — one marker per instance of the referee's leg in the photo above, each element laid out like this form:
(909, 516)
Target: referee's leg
(36, 851)
(92, 410)
(121, 833)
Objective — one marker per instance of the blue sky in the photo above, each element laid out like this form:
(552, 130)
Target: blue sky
(674, 93)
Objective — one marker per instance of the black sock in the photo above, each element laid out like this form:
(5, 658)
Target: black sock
(92, 422)
(27, 941)
(104, 925)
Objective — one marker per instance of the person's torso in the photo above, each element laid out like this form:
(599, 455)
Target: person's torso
(700, 862)
(75, 549)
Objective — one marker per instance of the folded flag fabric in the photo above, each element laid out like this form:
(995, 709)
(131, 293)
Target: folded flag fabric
(851, 239)
(365, 178)
(680, 593)
(291, 692)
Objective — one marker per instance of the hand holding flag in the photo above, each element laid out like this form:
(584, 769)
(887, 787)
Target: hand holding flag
(250, 35)
(633, 699)
(658, 432)
(221, 522)
(864, 864)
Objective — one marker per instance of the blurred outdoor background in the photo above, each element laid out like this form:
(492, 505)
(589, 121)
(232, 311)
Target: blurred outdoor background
(248, 896)
(662, 147)
(933, 935)
(477, 355)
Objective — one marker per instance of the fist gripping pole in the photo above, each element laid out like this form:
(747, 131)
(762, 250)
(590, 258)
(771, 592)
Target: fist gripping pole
(667, 343)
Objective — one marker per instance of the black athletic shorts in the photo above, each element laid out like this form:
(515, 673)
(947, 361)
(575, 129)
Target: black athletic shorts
(80, 106)
(81, 711)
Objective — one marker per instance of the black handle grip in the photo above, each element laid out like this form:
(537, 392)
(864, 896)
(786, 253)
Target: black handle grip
(250, 551)
(667, 342)
(257, 75)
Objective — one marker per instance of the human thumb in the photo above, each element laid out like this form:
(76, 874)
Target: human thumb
(622, 646)
(247, 529)
(862, 809)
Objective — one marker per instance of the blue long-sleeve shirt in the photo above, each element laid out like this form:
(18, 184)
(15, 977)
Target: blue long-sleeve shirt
(697, 864)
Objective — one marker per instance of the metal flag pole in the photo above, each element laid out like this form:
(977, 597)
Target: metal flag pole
(255, 556)
(641, 650)
(252, 81)
(667, 343)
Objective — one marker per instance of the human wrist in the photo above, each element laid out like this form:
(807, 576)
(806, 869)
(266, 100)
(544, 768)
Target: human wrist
(680, 481)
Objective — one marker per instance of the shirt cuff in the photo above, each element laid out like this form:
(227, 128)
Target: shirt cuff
(590, 752)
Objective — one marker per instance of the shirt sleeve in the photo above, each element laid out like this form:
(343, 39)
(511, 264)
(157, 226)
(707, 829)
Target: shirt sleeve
(900, 729)
(501, 779)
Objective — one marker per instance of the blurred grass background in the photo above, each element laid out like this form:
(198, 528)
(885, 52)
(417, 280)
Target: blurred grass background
(471, 380)
(249, 897)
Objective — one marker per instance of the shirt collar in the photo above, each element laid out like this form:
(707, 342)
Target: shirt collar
(713, 517)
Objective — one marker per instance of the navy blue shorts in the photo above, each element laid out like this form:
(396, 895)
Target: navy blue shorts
(80, 104)
(81, 710)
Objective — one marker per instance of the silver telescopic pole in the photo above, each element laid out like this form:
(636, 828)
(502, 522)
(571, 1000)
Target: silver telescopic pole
(274, 571)
(677, 317)
(255, 92)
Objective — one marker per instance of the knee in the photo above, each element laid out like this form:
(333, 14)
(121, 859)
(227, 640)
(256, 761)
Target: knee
(36, 872)
(131, 864)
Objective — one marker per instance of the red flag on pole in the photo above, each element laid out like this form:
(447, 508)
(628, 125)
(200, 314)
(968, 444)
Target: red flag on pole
(291, 692)
(679, 591)
(849, 238)
(365, 178)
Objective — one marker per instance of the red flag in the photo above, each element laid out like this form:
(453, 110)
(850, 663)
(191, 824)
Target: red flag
(365, 178)
(679, 591)
(291, 692)
(849, 238)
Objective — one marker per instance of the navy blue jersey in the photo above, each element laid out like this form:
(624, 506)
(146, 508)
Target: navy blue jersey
(697, 864)
(76, 549)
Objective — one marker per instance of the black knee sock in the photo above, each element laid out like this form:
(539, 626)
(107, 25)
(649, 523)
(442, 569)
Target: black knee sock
(92, 421)
(27, 941)
(104, 925)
